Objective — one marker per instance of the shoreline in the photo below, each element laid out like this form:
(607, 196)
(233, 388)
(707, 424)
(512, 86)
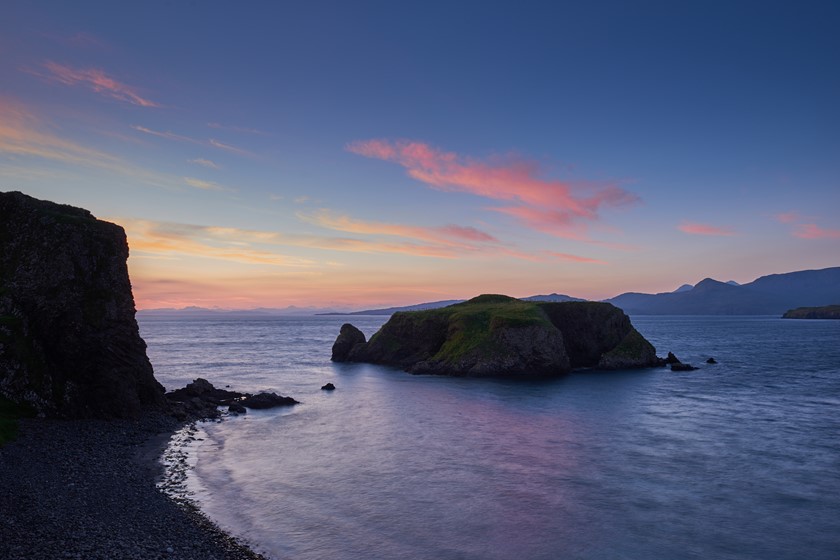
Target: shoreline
(88, 489)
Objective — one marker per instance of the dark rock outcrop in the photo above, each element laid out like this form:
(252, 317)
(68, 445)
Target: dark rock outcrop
(679, 366)
(200, 399)
(493, 335)
(328, 387)
(348, 338)
(267, 400)
(69, 341)
(671, 359)
(824, 312)
(237, 408)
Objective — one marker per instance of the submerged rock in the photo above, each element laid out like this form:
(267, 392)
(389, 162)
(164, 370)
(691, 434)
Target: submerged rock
(711, 361)
(682, 367)
(69, 342)
(493, 335)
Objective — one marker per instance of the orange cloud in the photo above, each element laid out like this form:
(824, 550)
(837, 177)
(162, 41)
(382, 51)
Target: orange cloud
(813, 231)
(97, 81)
(694, 228)
(451, 235)
(560, 204)
(162, 238)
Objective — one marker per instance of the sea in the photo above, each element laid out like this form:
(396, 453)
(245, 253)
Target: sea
(735, 460)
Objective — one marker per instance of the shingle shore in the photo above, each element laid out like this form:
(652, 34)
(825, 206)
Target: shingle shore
(86, 489)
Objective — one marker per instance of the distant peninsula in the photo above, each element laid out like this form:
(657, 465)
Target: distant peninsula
(496, 335)
(825, 312)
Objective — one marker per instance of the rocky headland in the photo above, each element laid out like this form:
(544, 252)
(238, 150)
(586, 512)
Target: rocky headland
(69, 342)
(825, 312)
(495, 335)
(79, 481)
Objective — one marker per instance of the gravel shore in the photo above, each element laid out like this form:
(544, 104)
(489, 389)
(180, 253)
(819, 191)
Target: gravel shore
(86, 489)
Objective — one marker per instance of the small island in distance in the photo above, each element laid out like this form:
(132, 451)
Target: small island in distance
(824, 312)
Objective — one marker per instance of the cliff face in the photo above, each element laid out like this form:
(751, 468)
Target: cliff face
(500, 336)
(69, 341)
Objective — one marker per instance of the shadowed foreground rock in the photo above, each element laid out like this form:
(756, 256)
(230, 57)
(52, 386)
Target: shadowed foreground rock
(493, 335)
(200, 399)
(69, 341)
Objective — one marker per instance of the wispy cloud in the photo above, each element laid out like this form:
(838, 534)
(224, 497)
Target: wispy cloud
(229, 148)
(241, 129)
(84, 39)
(574, 258)
(254, 246)
(813, 231)
(450, 235)
(557, 207)
(695, 228)
(205, 185)
(96, 80)
(205, 163)
(449, 241)
(182, 138)
(23, 133)
(165, 238)
(166, 134)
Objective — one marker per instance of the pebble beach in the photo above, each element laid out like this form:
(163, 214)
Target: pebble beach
(87, 489)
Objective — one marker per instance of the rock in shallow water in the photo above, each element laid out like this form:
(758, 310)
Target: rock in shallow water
(267, 400)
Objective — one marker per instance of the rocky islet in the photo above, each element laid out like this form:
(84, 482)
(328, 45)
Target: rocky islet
(495, 335)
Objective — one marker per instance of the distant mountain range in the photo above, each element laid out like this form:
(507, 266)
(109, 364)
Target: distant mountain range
(768, 295)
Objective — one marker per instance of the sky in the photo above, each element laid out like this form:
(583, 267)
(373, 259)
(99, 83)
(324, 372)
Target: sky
(358, 154)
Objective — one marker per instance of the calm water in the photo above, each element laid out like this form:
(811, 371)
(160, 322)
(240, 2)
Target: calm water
(735, 460)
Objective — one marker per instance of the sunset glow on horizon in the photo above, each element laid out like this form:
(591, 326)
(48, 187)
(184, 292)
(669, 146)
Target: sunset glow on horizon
(356, 155)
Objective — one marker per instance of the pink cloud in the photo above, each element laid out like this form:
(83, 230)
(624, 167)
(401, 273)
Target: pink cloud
(561, 204)
(813, 231)
(97, 81)
(694, 228)
(788, 217)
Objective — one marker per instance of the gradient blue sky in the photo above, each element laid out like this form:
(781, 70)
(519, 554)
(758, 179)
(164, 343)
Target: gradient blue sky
(384, 153)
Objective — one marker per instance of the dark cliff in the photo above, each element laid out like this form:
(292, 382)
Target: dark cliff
(493, 335)
(69, 341)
